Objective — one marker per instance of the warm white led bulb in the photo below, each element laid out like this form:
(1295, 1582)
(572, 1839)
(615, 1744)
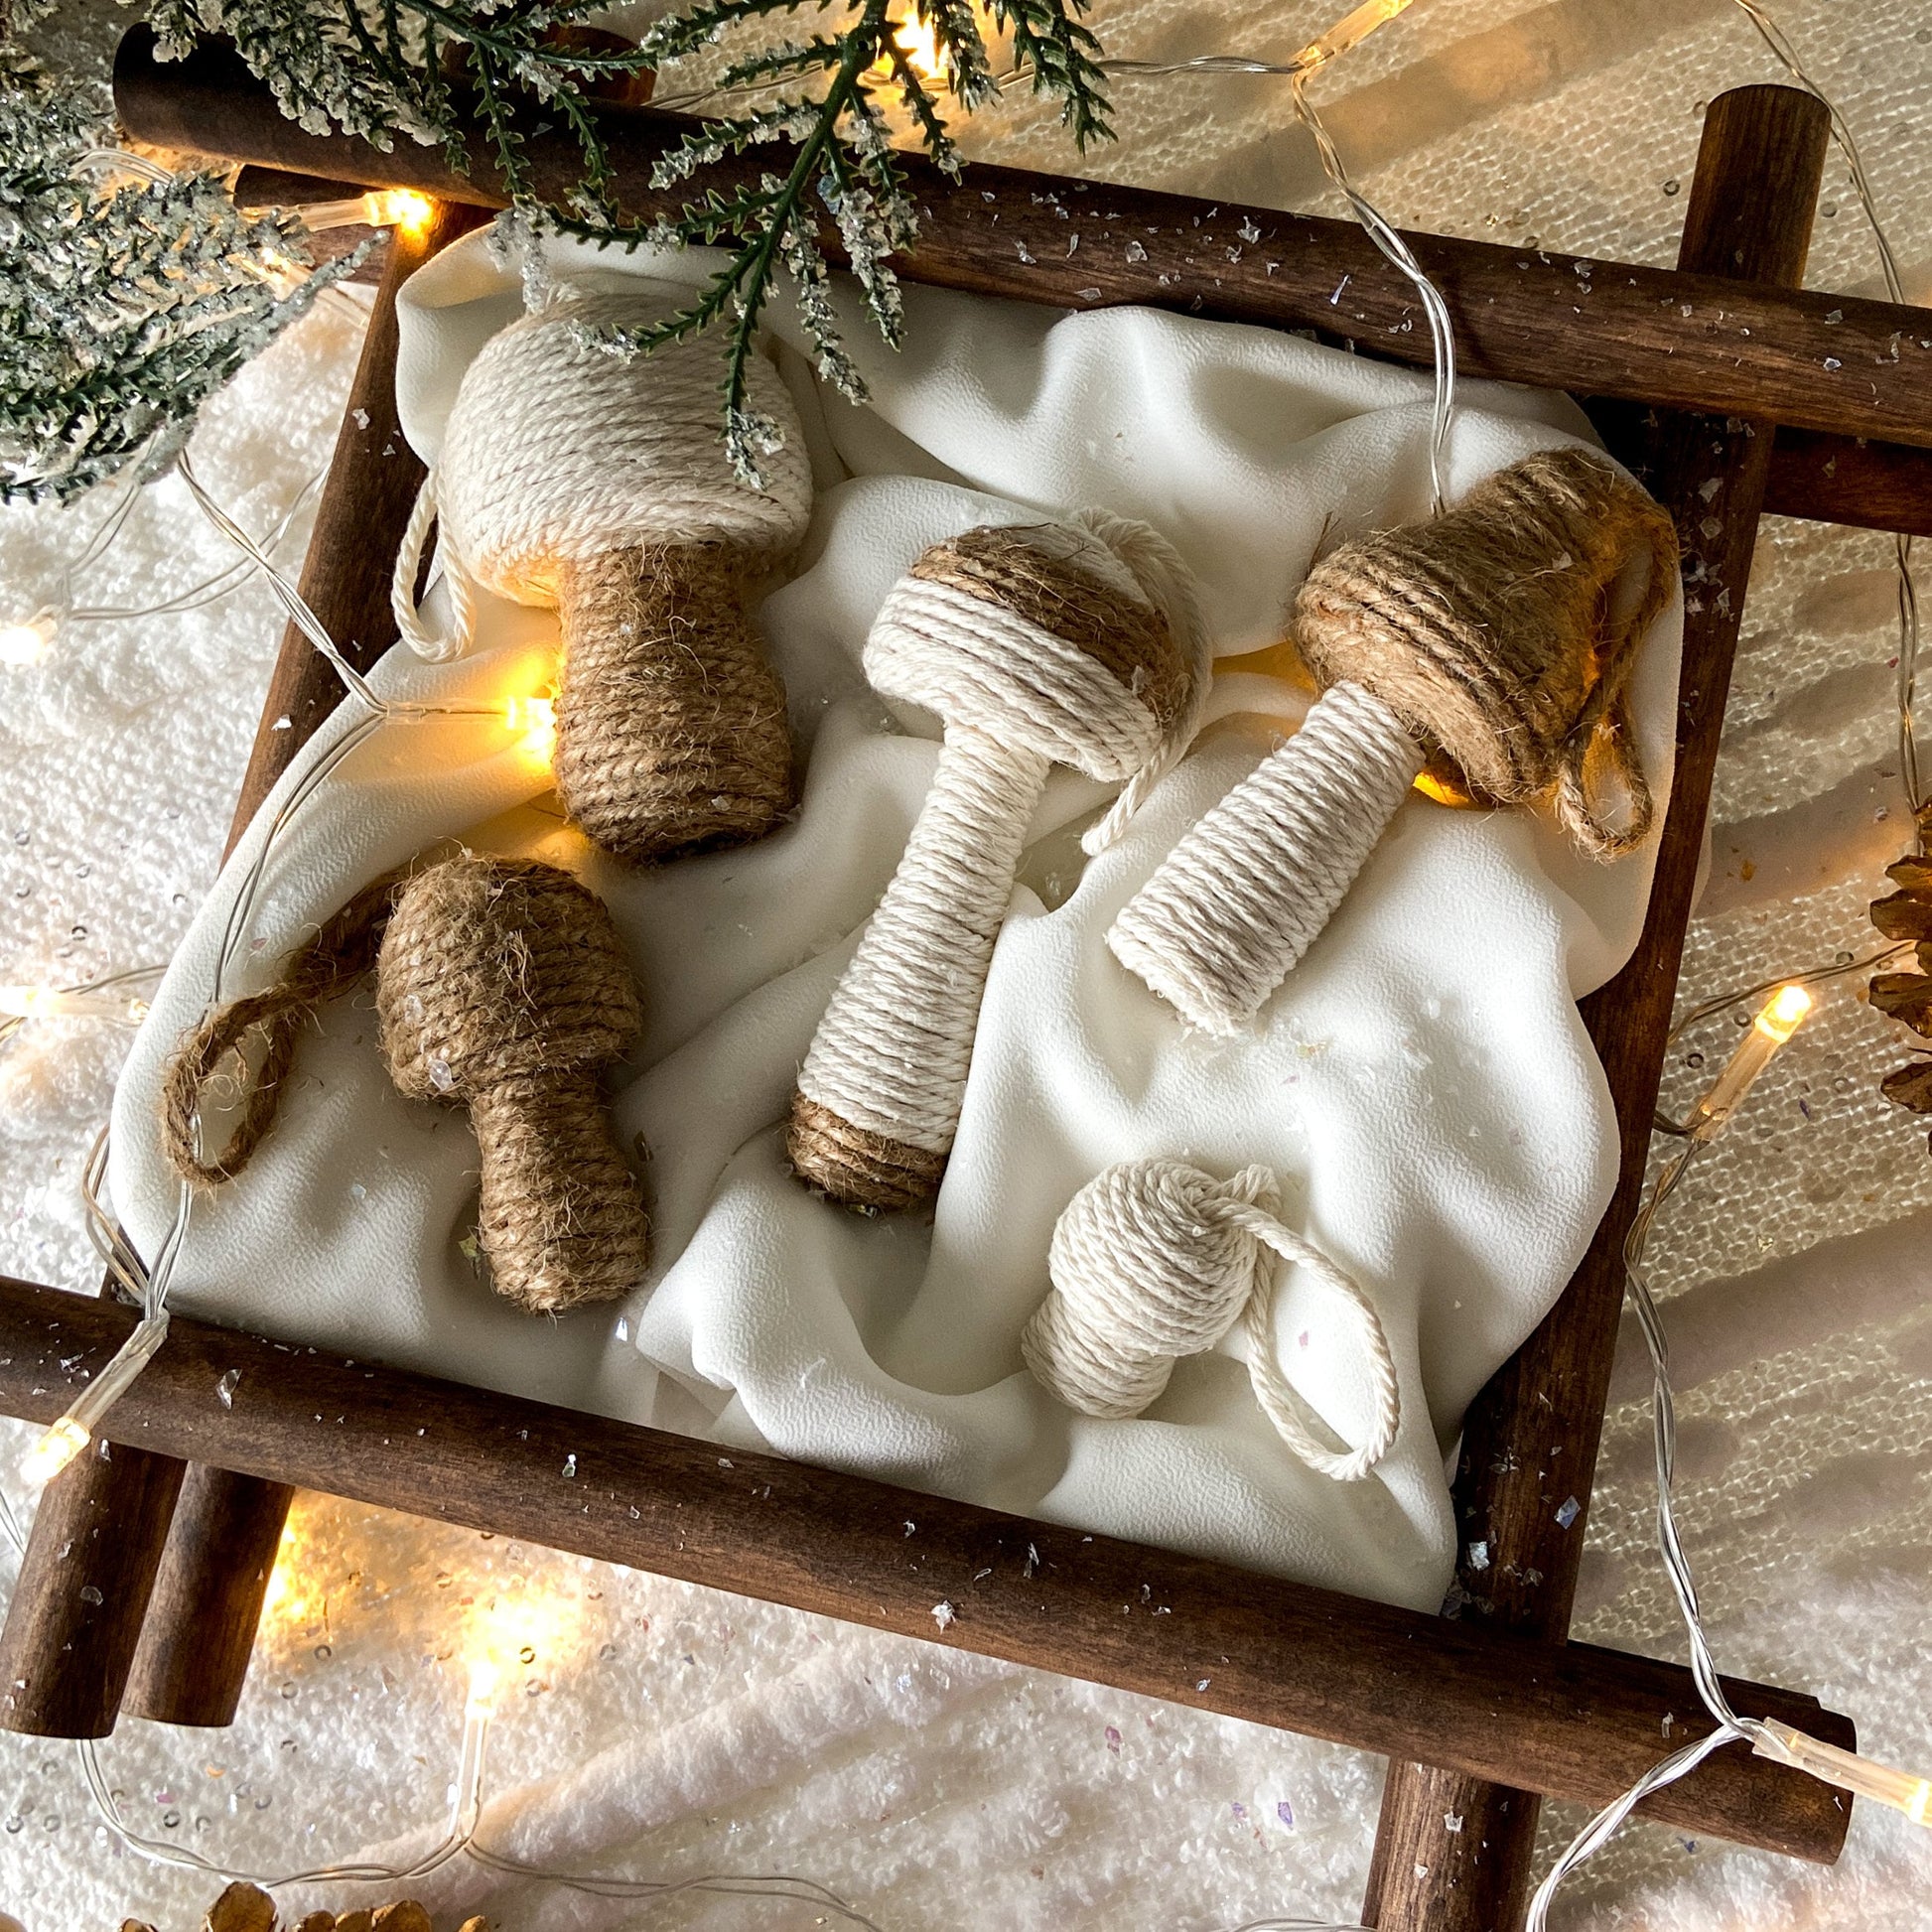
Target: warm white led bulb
(28, 641)
(484, 1680)
(1864, 1777)
(53, 1453)
(1777, 1020)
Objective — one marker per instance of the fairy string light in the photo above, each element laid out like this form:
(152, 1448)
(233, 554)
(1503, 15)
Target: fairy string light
(460, 1840)
(148, 1285)
(28, 641)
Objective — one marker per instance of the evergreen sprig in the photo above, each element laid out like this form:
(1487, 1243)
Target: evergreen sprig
(386, 70)
(125, 303)
(830, 90)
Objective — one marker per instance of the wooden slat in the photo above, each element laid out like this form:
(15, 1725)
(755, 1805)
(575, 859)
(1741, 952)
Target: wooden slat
(1567, 1718)
(1530, 1441)
(75, 1608)
(1691, 342)
(1840, 480)
(200, 1623)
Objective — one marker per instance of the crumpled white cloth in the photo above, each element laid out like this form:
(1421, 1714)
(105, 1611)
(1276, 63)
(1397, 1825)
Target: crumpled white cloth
(1422, 1083)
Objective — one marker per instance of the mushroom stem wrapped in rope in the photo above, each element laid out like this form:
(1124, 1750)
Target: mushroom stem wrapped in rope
(1062, 643)
(1501, 635)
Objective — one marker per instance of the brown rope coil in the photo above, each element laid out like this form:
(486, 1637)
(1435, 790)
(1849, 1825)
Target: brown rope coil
(246, 1048)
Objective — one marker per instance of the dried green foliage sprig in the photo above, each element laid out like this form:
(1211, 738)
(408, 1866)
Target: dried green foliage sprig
(831, 91)
(125, 301)
(427, 70)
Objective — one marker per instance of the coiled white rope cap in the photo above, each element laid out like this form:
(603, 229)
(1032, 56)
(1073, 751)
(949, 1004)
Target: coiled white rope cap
(563, 445)
(1155, 1260)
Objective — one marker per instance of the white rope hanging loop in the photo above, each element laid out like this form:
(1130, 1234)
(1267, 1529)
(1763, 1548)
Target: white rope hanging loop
(1155, 1260)
(1062, 643)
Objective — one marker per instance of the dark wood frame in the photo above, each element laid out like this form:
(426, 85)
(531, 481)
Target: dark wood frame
(1714, 386)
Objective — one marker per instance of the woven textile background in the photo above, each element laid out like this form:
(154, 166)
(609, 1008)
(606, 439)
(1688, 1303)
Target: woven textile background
(679, 1731)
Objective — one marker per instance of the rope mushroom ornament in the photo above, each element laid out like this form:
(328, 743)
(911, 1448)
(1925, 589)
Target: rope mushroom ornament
(1057, 644)
(1153, 1261)
(501, 987)
(1502, 635)
(576, 473)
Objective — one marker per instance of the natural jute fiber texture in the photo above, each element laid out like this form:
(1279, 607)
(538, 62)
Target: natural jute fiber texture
(577, 474)
(1056, 644)
(244, 1048)
(501, 986)
(1495, 634)
(1155, 1260)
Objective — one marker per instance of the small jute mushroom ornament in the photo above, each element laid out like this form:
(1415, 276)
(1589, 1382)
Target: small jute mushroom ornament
(1155, 1260)
(243, 1907)
(577, 475)
(1494, 636)
(501, 986)
(1055, 644)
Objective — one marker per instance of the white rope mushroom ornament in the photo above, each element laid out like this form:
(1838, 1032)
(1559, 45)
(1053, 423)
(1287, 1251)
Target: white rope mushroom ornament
(1059, 643)
(578, 475)
(1155, 1260)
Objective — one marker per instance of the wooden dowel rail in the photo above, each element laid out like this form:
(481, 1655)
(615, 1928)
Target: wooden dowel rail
(1835, 364)
(1530, 1438)
(1821, 478)
(74, 1616)
(1569, 1719)
(199, 1627)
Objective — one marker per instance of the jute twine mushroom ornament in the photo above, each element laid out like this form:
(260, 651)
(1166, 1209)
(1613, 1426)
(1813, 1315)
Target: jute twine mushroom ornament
(1059, 643)
(501, 987)
(576, 475)
(1497, 636)
(1154, 1261)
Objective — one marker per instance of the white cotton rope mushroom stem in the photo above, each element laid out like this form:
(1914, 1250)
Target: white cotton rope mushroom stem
(892, 1051)
(1155, 1260)
(1504, 634)
(1069, 644)
(1232, 908)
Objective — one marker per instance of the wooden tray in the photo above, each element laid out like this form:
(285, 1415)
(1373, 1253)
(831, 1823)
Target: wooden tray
(1713, 384)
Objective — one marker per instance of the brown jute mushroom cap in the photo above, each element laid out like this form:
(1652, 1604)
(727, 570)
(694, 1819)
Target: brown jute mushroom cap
(502, 985)
(1498, 632)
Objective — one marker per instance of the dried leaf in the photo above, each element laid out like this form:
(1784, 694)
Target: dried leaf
(1911, 1086)
(1904, 915)
(318, 1922)
(242, 1908)
(355, 1921)
(1906, 996)
(130, 1925)
(476, 1924)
